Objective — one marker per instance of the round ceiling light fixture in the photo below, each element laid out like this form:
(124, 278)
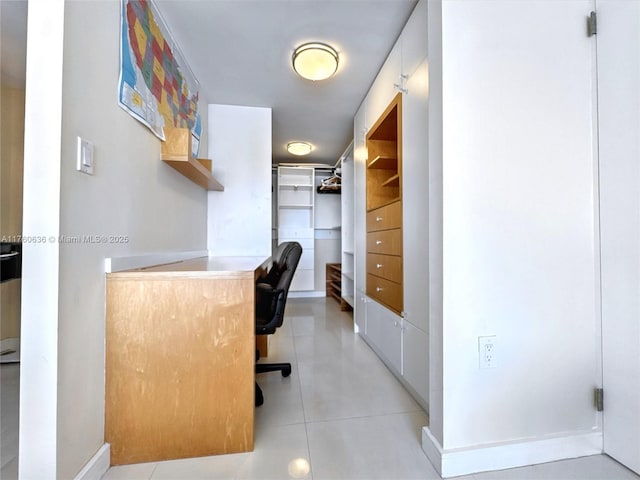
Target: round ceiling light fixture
(315, 61)
(299, 148)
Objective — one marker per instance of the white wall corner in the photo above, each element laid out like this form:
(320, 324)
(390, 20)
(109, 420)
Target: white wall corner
(432, 449)
(97, 466)
(465, 461)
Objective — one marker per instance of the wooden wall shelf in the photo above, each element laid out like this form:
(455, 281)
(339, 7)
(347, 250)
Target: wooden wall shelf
(176, 151)
(392, 182)
(384, 163)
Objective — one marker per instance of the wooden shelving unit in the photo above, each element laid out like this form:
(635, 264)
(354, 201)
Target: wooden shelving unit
(384, 208)
(176, 152)
(384, 166)
(334, 284)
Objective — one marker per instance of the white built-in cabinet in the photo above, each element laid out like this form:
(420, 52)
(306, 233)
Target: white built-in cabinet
(347, 220)
(401, 341)
(384, 333)
(406, 55)
(386, 85)
(359, 218)
(296, 211)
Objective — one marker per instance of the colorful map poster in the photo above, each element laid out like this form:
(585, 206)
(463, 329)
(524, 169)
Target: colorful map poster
(156, 85)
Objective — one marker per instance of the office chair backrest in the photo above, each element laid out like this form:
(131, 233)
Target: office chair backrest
(288, 265)
(275, 265)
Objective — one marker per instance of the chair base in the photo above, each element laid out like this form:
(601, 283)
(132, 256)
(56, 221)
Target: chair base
(285, 368)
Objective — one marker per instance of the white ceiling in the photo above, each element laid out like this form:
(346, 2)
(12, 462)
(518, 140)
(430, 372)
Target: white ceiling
(240, 51)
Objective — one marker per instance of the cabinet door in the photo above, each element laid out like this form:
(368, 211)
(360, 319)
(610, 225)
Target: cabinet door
(414, 39)
(383, 89)
(384, 331)
(303, 279)
(415, 361)
(360, 312)
(415, 191)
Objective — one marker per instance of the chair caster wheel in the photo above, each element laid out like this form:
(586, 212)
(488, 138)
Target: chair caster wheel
(286, 372)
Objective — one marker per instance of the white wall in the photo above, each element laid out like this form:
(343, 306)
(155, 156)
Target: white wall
(132, 193)
(519, 223)
(239, 221)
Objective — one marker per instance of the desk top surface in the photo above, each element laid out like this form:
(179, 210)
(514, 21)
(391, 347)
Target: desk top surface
(201, 267)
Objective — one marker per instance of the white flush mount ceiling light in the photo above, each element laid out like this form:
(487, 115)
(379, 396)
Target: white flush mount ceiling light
(299, 148)
(315, 61)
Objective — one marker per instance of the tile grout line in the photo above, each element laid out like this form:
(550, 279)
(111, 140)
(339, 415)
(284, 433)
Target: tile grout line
(304, 414)
(155, 467)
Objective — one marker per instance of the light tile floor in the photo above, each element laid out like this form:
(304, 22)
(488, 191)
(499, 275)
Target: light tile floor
(340, 415)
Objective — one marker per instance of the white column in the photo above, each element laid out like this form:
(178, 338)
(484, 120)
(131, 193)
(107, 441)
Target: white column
(41, 221)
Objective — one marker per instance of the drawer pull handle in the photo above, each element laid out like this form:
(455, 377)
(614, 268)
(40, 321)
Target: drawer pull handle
(378, 265)
(379, 289)
(378, 242)
(378, 219)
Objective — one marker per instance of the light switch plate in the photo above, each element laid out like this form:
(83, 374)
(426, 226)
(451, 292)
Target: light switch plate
(85, 156)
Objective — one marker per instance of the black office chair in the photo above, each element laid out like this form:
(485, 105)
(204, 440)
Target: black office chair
(271, 299)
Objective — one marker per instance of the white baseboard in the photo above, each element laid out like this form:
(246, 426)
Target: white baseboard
(464, 461)
(307, 294)
(97, 466)
(10, 344)
(117, 264)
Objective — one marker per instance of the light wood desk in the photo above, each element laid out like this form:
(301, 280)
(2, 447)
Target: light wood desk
(180, 357)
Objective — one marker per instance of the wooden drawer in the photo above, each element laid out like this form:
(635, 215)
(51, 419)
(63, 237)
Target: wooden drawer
(386, 292)
(385, 218)
(388, 242)
(385, 266)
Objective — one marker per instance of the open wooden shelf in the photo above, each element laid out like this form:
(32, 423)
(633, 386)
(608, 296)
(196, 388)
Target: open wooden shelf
(334, 284)
(384, 163)
(393, 181)
(384, 147)
(176, 152)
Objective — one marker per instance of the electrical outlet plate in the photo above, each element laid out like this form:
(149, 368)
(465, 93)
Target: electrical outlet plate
(487, 352)
(85, 156)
